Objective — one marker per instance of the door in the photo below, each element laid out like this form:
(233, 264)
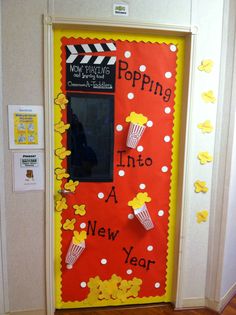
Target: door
(117, 118)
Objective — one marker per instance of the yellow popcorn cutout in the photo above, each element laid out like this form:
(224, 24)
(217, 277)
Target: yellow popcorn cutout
(61, 173)
(61, 127)
(206, 126)
(208, 97)
(71, 186)
(200, 186)
(79, 209)
(139, 200)
(204, 157)
(61, 204)
(202, 216)
(62, 153)
(136, 118)
(69, 224)
(112, 289)
(79, 237)
(61, 100)
(206, 65)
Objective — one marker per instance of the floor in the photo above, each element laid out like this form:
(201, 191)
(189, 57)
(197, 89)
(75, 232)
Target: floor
(165, 309)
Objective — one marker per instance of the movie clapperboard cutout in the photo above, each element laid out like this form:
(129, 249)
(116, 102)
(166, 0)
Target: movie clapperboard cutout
(91, 67)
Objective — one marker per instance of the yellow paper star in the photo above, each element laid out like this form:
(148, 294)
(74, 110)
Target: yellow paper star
(79, 209)
(204, 157)
(208, 97)
(61, 127)
(61, 204)
(200, 186)
(69, 224)
(71, 186)
(206, 126)
(62, 153)
(202, 216)
(206, 65)
(61, 173)
(61, 100)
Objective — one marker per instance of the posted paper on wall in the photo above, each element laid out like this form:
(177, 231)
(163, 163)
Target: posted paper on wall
(28, 171)
(25, 127)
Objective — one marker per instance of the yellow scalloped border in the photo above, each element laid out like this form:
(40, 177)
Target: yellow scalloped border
(153, 38)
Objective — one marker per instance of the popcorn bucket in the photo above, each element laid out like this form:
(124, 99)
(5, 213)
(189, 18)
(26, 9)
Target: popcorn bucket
(74, 253)
(143, 216)
(135, 133)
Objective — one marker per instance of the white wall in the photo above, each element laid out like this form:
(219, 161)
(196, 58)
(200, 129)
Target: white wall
(22, 57)
(22, 40)
(229, 264)
(228, 284)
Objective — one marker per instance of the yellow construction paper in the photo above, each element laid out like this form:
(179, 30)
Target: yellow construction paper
(69, 224)
(202, 216)
(204, 157)
(79, 238)
(61, 173)
(208, 97)
(61, 100)
(80, 209)
(206, 65)
(135, 118)
(206, 126)
(61, 204)
(200, 186)
(61, 127)
(62, 153)
(71, 185)
(112, 289)
(139, 200)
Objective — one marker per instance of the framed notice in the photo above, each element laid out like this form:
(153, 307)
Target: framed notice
(28, 171)
(25, 127)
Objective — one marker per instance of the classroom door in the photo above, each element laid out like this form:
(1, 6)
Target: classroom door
(117, 114)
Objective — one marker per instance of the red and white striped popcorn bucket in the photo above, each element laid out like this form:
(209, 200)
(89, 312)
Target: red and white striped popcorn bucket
(135, 133)
(143, 216)
(74, 253)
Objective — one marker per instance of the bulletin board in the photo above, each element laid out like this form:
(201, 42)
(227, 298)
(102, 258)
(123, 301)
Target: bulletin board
(114, 237)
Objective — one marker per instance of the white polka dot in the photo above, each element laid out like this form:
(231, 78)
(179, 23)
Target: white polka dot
(100, 195)
(121, 173)
(103, 261)
(168, 75)
(167, 110)
(157, 285)
(129, 271)
(119, 127)
(142, 186)
(167, 138)
(130, 96)
(164, 169)
(150, 248)
(130, 216)
(161, 213)
(149, 123)
(173, 48)
(83, 225)
(142, 68)
(127, 54)
(140, 148)
(83, 284)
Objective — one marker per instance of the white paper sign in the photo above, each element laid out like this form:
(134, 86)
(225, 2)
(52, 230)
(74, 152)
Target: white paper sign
(25, 126)
(28, 171)
(121, 8)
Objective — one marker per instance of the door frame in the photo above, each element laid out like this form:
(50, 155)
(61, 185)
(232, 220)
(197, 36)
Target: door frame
(189, 33)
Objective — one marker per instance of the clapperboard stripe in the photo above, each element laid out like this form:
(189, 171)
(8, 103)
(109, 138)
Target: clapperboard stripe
(96, 60)
(76, 50)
